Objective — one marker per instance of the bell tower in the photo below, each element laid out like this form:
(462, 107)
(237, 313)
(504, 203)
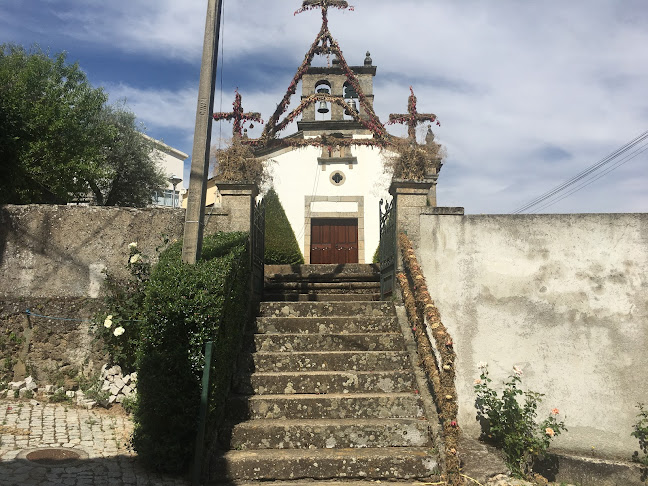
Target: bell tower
(326, 117)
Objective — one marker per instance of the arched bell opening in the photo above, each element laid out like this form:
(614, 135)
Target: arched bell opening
(352, 99)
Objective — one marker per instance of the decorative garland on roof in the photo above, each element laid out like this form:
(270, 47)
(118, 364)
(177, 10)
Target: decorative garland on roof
(324, 4)
(321, 141)
(238, 116)
(412, 118)
(323, 44)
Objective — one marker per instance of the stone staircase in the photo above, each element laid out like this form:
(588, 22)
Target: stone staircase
(326, 388)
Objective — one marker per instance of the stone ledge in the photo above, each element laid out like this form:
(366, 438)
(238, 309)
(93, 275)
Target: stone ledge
(445, 211)
(564, 467)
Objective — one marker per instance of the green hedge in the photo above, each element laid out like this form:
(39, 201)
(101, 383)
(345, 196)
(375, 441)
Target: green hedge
(185, 306)
(281, 247)
(376, 256)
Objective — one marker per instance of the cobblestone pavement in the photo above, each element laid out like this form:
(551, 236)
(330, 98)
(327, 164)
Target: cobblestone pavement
(100, 436)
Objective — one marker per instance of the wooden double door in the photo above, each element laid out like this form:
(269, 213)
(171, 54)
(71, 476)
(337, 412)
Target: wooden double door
(334, 241)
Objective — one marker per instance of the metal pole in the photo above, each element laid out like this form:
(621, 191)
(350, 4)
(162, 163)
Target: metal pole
(195, 215)
(202, 416)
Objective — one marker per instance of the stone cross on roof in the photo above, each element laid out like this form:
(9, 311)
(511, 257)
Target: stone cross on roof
(412, 118)
(238, 116)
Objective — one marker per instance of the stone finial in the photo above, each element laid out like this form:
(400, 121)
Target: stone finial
(368, 61)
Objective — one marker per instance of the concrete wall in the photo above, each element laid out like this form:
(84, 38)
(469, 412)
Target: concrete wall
(564, 297)
(62, 251)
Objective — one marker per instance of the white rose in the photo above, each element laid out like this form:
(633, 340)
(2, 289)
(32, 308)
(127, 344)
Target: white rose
(108, 322)
(118, 331)
(135, 258)
(133, 244)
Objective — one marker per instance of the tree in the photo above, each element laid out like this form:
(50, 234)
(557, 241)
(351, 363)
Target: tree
(131, 174)
(59, 140)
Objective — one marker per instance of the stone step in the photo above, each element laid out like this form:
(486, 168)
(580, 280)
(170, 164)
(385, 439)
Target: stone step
(322, 273)
(326, 382)
(283, 464)
(309, 286)
(326, 325)
(330, 406)
(318, 297)
(325, 360)
(326, 434)
(331, 342)
(314, 309)
(310, 482)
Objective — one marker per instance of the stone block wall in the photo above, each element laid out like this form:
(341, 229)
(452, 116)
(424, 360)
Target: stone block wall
(53, 261)
(563, 297)
(63, 251)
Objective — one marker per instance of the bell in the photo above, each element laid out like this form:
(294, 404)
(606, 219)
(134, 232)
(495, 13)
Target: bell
(323, 108)
(352, 103)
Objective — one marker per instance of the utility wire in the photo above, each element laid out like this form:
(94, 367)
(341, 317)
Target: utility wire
(587, 172)
(587, 183)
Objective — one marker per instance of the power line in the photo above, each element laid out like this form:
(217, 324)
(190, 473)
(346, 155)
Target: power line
(587, 183)
(585, 173)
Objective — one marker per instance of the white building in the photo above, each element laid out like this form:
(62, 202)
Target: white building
(331, 194)
(171, 161)
(330, 174)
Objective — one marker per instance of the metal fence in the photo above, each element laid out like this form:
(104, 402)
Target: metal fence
(387, 248)
(257, 248)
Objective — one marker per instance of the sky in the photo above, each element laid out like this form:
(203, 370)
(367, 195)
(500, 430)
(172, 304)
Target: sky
(529, 93)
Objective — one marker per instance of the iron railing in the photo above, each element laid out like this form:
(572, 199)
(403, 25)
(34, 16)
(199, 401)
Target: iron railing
(387, 248)
(257, 248)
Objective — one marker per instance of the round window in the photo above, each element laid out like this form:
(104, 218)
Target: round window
(337, 178)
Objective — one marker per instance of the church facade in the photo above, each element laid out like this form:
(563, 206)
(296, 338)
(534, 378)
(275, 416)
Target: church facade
(330, 174)
(331, 193)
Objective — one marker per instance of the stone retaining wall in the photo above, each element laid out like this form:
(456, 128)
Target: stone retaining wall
(53, 261)
(63, 251)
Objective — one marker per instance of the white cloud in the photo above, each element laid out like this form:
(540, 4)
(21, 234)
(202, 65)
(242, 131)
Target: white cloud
(507, 79)
(159, 108)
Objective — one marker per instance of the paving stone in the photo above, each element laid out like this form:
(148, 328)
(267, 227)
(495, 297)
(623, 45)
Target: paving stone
(51, 425)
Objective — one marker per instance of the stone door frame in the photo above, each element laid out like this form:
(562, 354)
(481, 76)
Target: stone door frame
(309, 215)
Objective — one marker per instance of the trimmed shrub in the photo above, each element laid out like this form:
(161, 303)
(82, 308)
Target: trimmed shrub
(376, 256)
(281, 247)
(186, 306)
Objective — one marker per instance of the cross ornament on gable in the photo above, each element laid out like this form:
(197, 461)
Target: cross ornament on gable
(324, 5)
(238, 116)
(412, 118)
